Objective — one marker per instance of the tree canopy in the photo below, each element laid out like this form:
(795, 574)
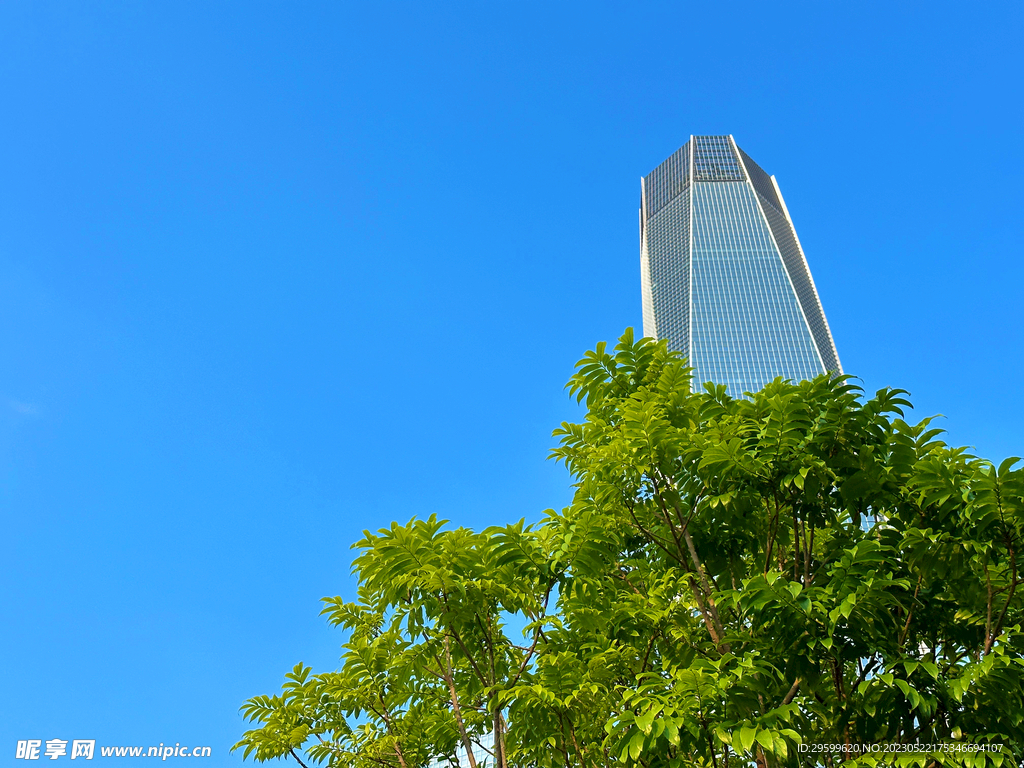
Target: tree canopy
(799, 577)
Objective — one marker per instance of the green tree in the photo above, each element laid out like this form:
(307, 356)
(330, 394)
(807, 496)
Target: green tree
(736, 581)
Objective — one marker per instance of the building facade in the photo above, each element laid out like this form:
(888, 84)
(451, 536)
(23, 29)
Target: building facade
(483, 754)
(723, 276)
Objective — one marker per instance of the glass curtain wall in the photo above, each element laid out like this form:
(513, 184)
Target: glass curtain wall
(723, 276)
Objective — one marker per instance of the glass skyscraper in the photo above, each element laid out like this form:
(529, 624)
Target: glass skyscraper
(723, 275)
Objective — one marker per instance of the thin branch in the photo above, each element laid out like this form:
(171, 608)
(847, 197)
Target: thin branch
(796, 546)
(988, 612)
(910, 613)
(1009, 598)
(705, 614)
(527, 657)
(773, 532)
(792, 692)
(711, 601)
(719, 634)
(458, 639)
(647, 654)
(456, 709)
(664, 511)
(658, 542)
(864, 672)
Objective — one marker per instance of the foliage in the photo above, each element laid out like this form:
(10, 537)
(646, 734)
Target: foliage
(797, 578)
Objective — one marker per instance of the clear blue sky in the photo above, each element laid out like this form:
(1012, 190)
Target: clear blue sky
(273, 273)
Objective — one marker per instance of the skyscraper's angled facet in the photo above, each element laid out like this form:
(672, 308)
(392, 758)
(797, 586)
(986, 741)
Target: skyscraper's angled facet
(723, 275)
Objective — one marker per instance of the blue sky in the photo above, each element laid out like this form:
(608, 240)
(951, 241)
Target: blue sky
(273, 273)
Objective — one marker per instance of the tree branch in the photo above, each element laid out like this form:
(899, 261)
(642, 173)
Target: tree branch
(792, 692)
(456, 709)
(1013, 588)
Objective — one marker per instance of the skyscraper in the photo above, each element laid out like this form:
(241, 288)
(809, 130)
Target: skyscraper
(722, 273)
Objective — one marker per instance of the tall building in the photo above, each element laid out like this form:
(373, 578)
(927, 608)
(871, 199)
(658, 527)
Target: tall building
(723, 275)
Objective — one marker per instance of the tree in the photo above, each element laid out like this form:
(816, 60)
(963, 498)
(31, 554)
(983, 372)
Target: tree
(797, 578)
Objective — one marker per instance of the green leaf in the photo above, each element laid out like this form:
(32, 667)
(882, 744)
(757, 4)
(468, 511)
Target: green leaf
(747, 736)
(636, 745)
